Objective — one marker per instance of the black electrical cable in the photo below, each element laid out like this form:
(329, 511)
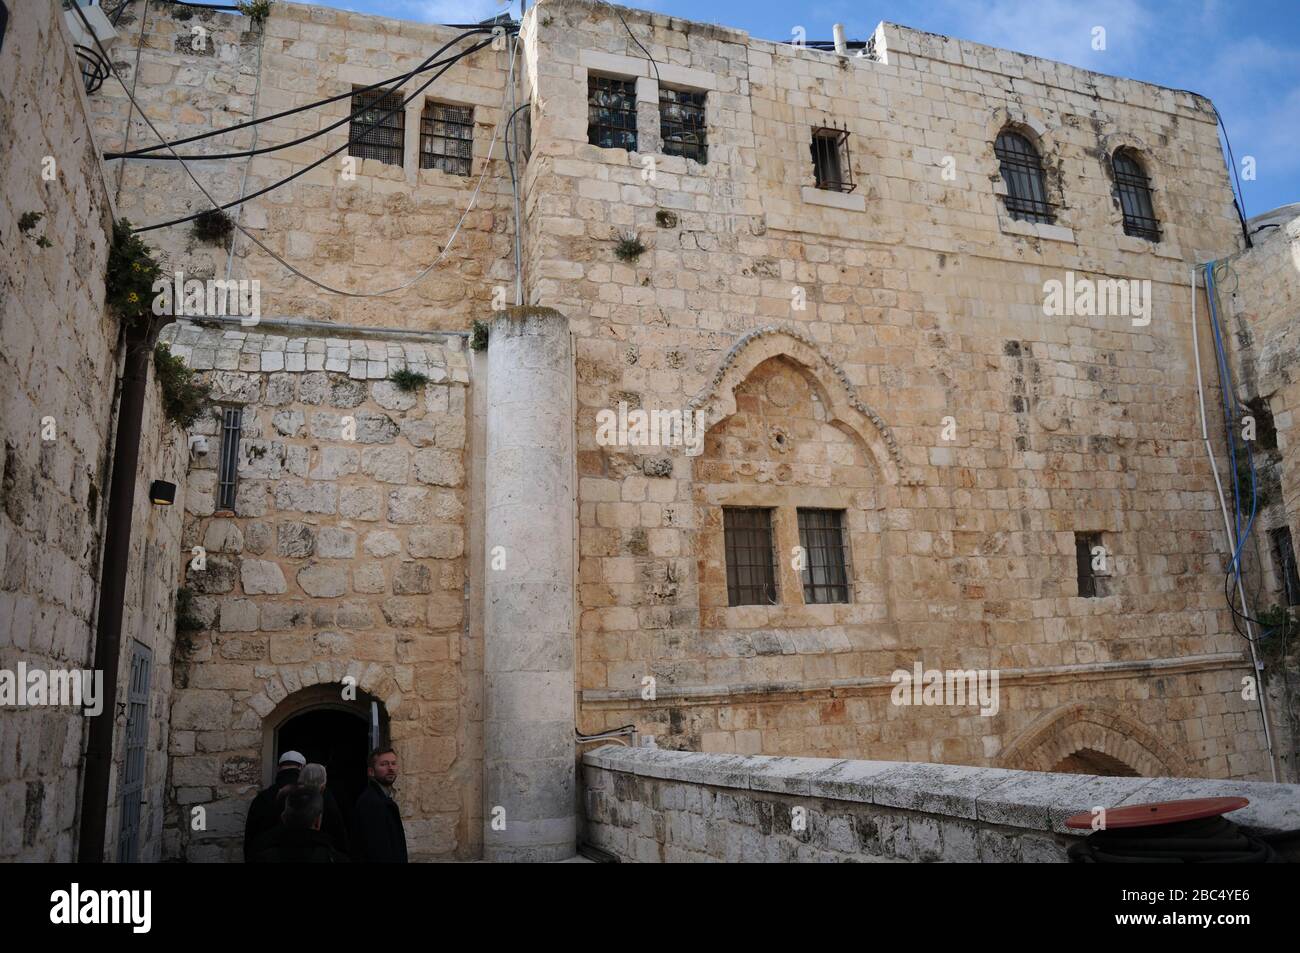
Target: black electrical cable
(329, 155)
(425, 66)
(635, 40)
(1240, 195)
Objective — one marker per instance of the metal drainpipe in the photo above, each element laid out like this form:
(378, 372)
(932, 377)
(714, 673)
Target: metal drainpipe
(112, 586)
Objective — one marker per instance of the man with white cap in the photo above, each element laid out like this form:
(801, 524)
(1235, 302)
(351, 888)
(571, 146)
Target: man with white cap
(262, 813)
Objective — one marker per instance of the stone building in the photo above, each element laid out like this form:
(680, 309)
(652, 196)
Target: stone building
(839, 263)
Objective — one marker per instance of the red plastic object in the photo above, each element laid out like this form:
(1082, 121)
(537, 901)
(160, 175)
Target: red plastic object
(1159, 812)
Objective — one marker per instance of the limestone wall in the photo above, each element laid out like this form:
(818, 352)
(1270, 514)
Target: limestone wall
(59, 357)
(648, 806)
(199, 70)
(343, 558)
(911, 301)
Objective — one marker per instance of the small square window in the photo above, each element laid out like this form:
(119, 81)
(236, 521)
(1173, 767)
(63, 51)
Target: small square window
(611, 113)
(228, 466)
(447, 138)
(751, 557)
(1090, 564)
(378, 128)
(832, 166)
(681, 124)
(825, 576)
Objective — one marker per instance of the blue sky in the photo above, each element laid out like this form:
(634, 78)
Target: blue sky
(1244, 55)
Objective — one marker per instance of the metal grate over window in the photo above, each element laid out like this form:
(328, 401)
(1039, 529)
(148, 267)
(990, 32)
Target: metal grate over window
(1135, 196)
(1022, 171)
(378, 128)
(611, 113)
(447, 138)
(825, 577)
(1089, 585)
(1284, 556)
(228, 469)
(751, 558)
(831, 163)
(681, 124)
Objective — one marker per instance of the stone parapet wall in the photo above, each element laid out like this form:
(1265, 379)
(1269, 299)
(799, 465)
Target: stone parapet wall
(650, 806)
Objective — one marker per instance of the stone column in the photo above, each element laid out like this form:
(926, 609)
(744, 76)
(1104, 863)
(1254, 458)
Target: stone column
(528, 663)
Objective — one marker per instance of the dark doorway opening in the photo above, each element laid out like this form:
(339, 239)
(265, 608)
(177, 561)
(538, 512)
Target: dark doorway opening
(340, 740)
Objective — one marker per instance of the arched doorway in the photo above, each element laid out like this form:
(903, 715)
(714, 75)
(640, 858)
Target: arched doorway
(330, 730)
(1091, 761)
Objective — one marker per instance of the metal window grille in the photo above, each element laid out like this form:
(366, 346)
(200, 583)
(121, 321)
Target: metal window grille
(1135, 197)
(825, 576)
(1022, 171)
(611, 113)
(831, 162)
(681, 124)
(137, 737)
(375, 135)
(1284, 556)
(751, 557)
(227, 473)
(1089, 587)
(447, 138)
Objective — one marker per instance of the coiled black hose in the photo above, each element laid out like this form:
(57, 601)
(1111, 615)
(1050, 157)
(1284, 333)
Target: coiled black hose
(1211, 840)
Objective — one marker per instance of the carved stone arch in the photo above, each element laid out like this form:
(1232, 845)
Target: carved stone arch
(1092, 727)
(846, 411)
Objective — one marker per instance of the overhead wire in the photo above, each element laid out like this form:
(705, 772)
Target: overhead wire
(352, 137)
(262, 245)
(396, 81)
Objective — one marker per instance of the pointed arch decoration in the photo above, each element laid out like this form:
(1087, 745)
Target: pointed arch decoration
(1097, 727)
(718, 399)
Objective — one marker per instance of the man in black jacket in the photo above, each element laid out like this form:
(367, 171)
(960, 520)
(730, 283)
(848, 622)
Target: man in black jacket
(298, 839)
(380, 837)
(263, 815)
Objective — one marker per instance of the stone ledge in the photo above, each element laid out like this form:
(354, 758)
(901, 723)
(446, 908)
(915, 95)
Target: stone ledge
(1030, 800)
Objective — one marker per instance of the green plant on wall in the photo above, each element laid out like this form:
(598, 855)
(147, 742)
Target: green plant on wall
(183, 397)
(213, 227)
(132, 271)
(478, 336)
(408, 380)
(255, 10)
(629, 248)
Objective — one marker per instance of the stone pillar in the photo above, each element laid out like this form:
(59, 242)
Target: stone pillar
(528, 661)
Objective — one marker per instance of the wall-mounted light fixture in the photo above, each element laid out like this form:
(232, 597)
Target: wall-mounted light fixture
(162, 493)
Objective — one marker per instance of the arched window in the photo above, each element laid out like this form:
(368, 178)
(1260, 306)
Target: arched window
(1134, 196)
(1022, 171)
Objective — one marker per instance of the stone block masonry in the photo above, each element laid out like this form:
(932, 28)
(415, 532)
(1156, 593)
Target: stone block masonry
(341, 563)
(652, 806)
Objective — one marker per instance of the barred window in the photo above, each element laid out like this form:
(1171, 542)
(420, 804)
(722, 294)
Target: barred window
(832, 167)
(751, 557)
(228, 466)
(681, 124)
(1135, 196)
(611, 113)
(1022, 171)
(374, 135)
(825, 576)
(447, 138)
(1089, 579)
